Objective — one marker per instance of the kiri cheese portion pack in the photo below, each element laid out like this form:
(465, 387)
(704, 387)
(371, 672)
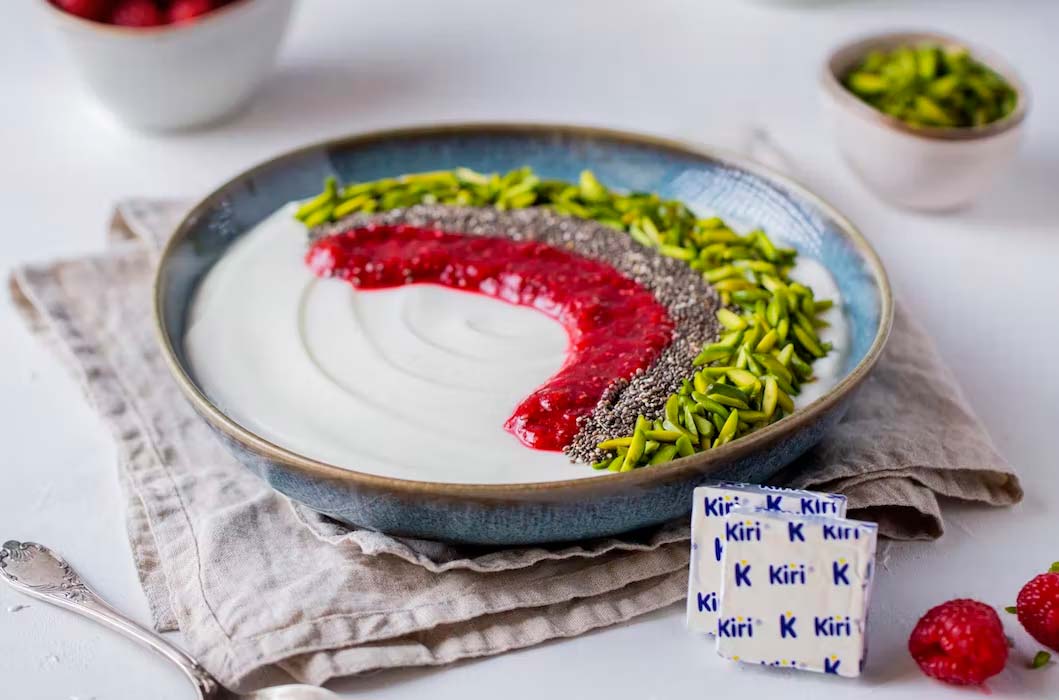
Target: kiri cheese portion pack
(795, 591)
(712, 503)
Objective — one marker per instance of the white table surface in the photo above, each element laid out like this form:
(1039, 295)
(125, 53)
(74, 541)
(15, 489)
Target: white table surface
(984, 280)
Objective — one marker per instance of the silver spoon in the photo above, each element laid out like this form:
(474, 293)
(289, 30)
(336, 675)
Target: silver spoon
(37, 571)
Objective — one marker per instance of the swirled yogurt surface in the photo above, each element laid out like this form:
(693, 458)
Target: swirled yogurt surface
(412, 382)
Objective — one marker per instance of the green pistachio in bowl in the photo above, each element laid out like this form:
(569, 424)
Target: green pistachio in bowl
(931, 85)
(925, 120)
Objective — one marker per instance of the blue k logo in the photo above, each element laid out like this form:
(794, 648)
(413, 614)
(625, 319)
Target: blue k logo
(787, 626)
(742, 574)
(794, 532)
(840, 572)
(831, 665)
(773, 502)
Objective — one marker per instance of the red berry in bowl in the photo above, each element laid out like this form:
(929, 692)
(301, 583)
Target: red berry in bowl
(1038, 607)
(960, 642)
(89, 9)
(137, 13)
(185, 10)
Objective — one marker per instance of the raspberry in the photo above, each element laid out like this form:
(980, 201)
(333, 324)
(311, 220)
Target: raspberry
(184, 10)
(1038, 607)
(89, 9)
(137, 13)
(960, 642)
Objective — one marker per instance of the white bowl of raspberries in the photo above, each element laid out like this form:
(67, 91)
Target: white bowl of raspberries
(172, 64)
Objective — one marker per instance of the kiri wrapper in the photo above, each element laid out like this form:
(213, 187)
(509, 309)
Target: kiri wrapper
(712, 503)
(795, 590)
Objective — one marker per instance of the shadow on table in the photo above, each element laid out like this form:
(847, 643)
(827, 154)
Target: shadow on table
(1022, 197)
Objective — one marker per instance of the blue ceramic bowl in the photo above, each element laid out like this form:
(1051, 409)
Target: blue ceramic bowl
(509, 514)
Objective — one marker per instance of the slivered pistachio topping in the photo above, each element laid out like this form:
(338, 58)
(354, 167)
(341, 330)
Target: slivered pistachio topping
(932, 85)
(744, 380)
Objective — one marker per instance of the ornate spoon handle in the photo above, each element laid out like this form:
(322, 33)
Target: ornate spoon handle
(39, 572)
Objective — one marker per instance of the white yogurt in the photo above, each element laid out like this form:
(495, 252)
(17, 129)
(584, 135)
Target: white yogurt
(830, 369)
(412, 382)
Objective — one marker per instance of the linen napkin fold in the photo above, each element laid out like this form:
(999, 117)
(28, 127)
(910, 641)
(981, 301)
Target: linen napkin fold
(257, 583)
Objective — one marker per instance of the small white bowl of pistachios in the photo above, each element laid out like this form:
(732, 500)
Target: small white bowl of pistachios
(925, 120)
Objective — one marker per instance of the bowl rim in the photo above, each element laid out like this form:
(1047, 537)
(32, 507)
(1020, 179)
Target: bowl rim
(859, 46)
(676, 470)
(145, 32)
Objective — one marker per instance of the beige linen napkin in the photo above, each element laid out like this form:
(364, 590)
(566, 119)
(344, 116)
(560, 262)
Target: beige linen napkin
(257, 583)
